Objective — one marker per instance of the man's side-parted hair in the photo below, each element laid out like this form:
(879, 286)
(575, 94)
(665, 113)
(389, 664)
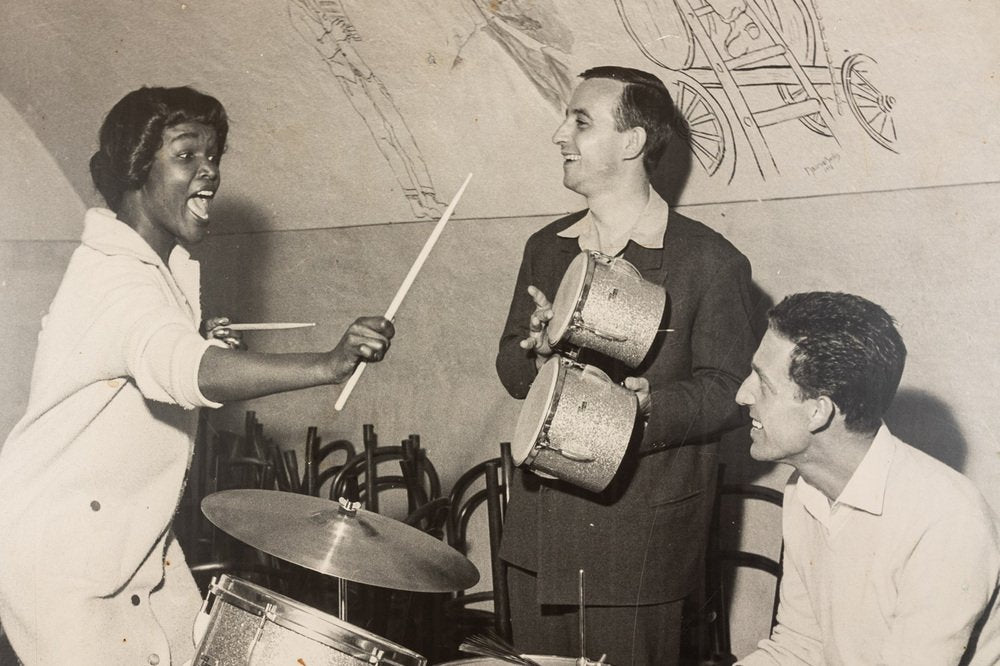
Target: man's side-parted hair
(644, 103)
(132, 132)
(846, 348)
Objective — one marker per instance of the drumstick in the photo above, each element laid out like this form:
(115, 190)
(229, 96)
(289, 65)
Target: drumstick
(405, 287)
(583, 625)
(269, 326)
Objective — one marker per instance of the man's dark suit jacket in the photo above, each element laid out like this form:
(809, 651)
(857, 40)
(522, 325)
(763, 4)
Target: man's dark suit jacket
(642, 540)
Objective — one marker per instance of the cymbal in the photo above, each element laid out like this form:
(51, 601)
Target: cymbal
(333, 538)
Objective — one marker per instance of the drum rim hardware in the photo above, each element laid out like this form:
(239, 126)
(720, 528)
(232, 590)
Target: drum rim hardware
(576, 322)
(306, 621)
(542, 439)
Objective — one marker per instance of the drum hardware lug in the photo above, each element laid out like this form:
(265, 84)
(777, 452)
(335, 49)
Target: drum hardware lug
(375, 657)
(569, 355)
(574, 454)
(566, 452)
(348, 508)
(570, 361)
(269, 615)
(580, 325)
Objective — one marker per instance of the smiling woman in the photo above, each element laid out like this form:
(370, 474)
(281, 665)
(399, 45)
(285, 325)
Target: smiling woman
(91, 475)
(158, 165)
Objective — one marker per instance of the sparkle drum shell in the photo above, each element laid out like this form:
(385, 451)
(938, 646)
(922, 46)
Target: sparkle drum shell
(575, 424)
(250, 625)
(603, 303)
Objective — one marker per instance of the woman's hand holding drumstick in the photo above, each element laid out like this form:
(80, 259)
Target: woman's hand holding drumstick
(538, 327)
(220, 328)
(364, 341)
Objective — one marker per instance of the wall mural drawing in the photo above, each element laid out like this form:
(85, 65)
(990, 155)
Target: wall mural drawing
(535, 39)
(725, 55)
(324, 25)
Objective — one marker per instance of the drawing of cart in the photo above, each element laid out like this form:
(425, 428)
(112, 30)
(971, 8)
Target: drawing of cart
(728, 58)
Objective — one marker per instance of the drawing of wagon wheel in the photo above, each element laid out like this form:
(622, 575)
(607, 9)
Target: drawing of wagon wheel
(800, 29)
(659, 30)
(871, 107)
(705, 126)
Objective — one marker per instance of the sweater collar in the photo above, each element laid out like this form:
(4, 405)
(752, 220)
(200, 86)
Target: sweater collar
(104, 232)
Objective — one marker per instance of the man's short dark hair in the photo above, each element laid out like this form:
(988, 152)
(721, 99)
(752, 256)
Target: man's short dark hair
(644, 103)
(846, 348)
(132, 132)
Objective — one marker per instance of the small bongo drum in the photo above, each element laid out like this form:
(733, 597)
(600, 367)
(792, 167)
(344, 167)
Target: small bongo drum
(575, 424)
(250, 625)
(603, 303)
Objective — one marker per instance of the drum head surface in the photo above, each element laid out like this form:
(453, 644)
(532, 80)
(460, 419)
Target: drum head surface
(534, 410)
(570, 288)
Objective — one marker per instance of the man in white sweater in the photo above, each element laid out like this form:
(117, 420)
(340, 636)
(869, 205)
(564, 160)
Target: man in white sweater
(890, 556)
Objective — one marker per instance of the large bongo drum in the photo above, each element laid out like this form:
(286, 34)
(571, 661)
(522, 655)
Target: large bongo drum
(251, 625)
(603, 303)
(575, 424)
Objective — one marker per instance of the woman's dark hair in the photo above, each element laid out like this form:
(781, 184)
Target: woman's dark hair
(133, 131)
(846, 348)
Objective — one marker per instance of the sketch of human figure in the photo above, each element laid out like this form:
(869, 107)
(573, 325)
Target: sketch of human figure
(535, 39)
(742, 28)
(324, 24)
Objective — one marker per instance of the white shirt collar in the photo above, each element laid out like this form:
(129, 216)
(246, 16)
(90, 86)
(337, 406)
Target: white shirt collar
(647, 231)
(865, 490)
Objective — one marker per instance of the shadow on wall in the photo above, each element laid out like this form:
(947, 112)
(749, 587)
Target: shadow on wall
(229, 260)
(673, 171)
(926, 423)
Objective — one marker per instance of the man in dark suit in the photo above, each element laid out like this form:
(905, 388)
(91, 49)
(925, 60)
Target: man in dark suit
(641, 541)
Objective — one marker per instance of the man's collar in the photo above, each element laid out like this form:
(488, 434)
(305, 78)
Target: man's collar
(865, 490)
(647, 231)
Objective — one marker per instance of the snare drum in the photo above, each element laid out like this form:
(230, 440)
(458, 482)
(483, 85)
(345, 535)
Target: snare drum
(575, 424)
(603, 303)
(249, 624)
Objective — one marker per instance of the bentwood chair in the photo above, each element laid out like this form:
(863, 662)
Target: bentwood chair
(464, 614)
(418, 478)
(318, 467)
(723, 563)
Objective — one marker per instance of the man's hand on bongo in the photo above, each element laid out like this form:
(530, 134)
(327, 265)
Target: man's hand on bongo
(641, 387)
(537, 325)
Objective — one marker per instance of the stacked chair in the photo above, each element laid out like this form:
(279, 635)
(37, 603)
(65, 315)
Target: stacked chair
(384, 479)
(395, 480)
(485, 485)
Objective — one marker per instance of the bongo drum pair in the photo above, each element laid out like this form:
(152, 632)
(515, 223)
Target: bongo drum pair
(576, 423)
